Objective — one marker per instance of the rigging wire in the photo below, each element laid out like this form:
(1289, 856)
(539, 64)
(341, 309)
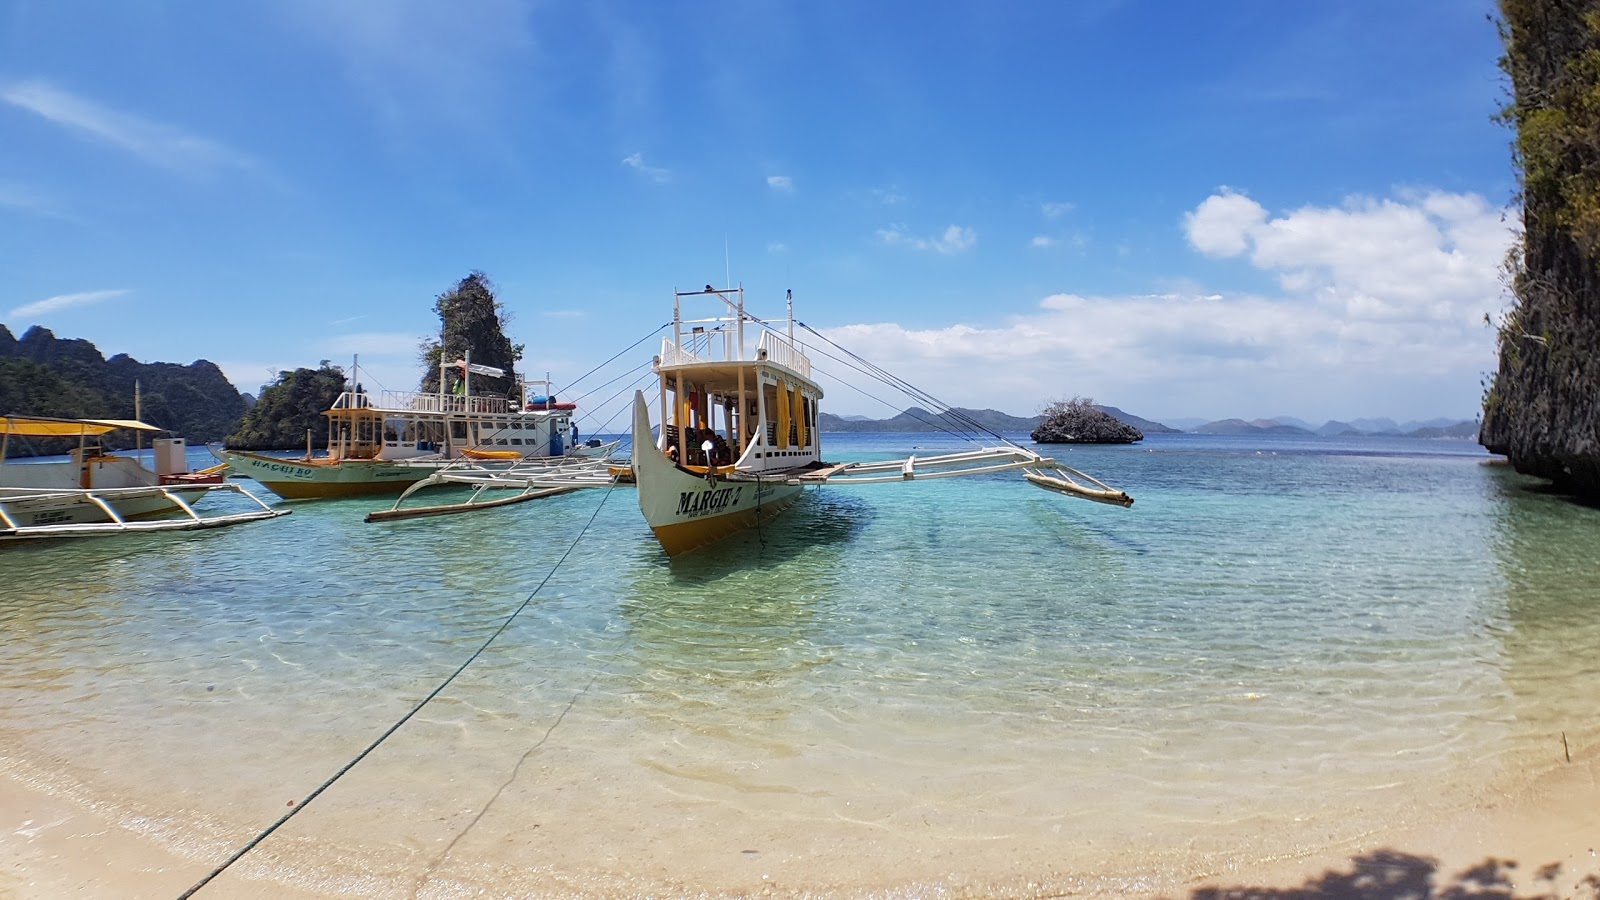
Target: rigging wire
(580, 378)
(912, 390)
(972, 427)
(414, 710)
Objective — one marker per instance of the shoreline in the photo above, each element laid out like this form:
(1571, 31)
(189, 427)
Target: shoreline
(1536, 835)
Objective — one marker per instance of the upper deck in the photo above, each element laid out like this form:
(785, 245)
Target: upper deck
(733, 338)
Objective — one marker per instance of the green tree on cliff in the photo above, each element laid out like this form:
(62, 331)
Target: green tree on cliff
(291, 404)
(471, 321)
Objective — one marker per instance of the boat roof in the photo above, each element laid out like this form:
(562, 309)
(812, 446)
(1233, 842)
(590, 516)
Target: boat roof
(723, 375)
(42, 426)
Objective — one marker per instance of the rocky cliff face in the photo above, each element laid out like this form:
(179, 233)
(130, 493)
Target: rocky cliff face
(1543, 409)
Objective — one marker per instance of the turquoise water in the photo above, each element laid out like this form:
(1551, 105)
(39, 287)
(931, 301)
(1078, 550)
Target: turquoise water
(952, 687)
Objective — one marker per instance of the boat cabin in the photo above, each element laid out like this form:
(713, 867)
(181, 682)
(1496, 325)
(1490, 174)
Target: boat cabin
(730, 406)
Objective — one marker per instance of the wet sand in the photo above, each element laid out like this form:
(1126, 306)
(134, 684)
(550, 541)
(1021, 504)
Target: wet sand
(1531, 837)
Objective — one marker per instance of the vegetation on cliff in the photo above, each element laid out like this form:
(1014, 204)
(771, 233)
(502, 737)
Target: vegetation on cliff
(43, 375)
(1079, 421)
(1542, 408)
(292, 404)
(471, 322)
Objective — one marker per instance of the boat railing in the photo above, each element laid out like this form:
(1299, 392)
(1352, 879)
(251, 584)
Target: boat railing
(673, 355)
(780, 352)
(415, 401)
(773, 347)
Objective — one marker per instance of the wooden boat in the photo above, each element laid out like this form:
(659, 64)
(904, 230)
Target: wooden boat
(383, 443)
(739, 440)
(96, 492)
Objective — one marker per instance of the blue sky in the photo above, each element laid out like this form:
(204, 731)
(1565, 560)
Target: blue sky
(1181, 209)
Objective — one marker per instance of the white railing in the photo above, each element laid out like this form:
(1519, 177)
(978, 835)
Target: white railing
(414, 401)
(780, 352)
(673, 355)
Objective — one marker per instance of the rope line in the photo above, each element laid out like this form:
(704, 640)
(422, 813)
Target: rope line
(407, 717)
(580, 378)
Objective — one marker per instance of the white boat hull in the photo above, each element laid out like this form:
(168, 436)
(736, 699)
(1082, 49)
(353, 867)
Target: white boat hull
(687, 510)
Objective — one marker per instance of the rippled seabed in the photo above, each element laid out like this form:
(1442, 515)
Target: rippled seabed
(960, 686)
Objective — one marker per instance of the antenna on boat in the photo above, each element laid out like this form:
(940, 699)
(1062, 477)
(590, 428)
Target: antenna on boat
(789, 299)
(727, 261)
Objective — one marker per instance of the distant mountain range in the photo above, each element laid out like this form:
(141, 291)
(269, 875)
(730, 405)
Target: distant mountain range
(917, 419)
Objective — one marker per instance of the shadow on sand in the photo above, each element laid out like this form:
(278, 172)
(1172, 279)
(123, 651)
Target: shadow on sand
(1393, 875)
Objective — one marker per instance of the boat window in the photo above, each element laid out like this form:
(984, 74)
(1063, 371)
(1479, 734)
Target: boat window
(458, 430)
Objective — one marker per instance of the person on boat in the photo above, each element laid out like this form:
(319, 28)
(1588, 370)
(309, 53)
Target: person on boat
(574, 434)
(720, 455)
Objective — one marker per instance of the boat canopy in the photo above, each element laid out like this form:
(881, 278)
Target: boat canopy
(30, 426)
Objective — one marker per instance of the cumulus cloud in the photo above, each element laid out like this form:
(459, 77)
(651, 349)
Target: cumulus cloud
(154, 142)
(1221, 225)
(1378, 311)
(780, 183)
(61, 302)
(1042, 241)
(955, 239)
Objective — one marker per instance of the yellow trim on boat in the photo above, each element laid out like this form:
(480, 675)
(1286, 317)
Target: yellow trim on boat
(29, 426)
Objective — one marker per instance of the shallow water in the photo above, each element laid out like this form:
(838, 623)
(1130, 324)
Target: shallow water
(942, 688)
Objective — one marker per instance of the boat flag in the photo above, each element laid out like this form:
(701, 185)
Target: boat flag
(477, 369)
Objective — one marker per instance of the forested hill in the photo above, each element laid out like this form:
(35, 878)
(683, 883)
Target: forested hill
(43, 375)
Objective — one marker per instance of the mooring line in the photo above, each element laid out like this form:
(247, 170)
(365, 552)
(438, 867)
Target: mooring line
(414, 710)
(515, 771)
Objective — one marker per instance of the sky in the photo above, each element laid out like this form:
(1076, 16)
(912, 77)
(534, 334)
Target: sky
(1246, 208)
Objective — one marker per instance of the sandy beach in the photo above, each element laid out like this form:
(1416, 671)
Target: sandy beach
(1531, 837)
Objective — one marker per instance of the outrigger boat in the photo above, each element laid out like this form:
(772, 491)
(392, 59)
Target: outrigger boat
(95, 493)
(739, 441)
(384, 443)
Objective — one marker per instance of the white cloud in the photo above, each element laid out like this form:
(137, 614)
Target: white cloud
(1042, 241)
(153, 142)
(446, 60)
(777, 247)
(955, 239)
(1220, 226)
(19, 196)
(888, 196)
(1055, 210)
(60, 302)
(1379, 311)
(375, 343)
(780, 183)
(635, 161)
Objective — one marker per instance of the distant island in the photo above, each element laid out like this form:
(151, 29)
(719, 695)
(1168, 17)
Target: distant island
(917, 420)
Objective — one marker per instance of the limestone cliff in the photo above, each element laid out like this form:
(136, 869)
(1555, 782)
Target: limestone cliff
(1542, 409)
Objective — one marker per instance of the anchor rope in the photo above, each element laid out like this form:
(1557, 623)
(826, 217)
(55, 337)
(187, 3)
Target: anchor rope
(238, 854)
